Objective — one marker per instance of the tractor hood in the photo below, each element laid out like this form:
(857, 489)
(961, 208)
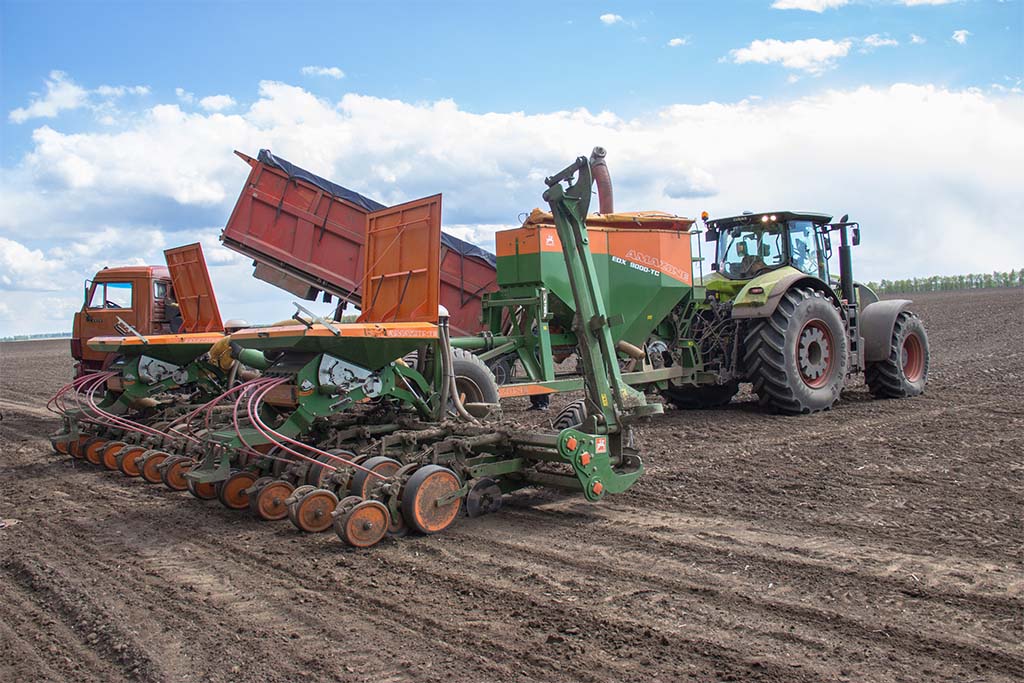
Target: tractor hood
(749, 294)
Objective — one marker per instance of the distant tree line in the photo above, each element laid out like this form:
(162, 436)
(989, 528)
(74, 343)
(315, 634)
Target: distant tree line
(946, 283)
(46, 335)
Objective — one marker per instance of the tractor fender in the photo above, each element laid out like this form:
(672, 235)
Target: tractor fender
(876, 323)
(781, 287)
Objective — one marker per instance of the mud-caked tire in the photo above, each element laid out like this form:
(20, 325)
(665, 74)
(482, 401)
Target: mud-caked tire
(905, 372)
(473, 379)
(571, 416)
(703, 397)
(798, 357)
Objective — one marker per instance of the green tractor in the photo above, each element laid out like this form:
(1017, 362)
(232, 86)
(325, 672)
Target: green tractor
(775, 317)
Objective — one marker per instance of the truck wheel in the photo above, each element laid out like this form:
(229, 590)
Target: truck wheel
(571, 416)
(473, 379)
(797, 358)
(905, 372)
(700, 398)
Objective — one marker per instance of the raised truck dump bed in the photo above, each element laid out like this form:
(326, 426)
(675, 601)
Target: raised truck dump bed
(306, 235)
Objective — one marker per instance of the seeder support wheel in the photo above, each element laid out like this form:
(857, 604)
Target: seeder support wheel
(268, 503)
(127, 460)
(108, 458)
(232, 491)
(362, 525)
(172, 472)
(311, 512)
(147, 465)
(92, 450)
(430, 500)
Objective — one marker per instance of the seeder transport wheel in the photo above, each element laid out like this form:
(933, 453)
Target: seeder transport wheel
(363, 482)
(92, 450)
(363, 525)
(429, 500)
(127, 460)
(269, 501)
(231, 492)
(147, 465)
(204, 491)
(108, 458)
(312, 511)
(172, 474)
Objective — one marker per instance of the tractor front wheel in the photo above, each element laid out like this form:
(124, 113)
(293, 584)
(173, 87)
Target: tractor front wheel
(905, 372)
(797, 358)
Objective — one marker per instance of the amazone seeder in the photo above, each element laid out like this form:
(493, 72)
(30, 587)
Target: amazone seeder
(361, 426)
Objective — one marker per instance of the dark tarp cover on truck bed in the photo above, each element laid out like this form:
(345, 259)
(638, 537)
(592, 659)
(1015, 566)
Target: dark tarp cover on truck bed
(450, 241)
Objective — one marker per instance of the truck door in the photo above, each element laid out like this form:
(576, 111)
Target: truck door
(105, 302)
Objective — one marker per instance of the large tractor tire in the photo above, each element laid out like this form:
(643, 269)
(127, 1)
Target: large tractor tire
(474, 380)
(699, 398)
(905, 372)
(797, 358)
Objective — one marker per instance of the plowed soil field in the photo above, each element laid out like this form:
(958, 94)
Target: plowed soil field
(881, 541)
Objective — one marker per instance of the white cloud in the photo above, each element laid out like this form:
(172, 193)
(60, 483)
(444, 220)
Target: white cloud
(678, 42)
(24, 268)
(217, 102)
(61, 94)
(168, 177)
(877, 40)
(610, 19)
(812, 55)
(917, 40)
(329, 71)
(184, 95)
(960, 36)
(818, 6)
(914, 3)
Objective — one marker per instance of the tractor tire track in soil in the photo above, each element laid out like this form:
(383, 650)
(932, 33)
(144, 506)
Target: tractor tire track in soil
(881, 541)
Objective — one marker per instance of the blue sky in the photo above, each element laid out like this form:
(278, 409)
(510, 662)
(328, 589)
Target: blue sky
(119, 119)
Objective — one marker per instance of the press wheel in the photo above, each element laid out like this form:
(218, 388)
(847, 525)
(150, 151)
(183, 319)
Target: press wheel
(363, 482)
(364, 525)
(202, 491)
(425, 487)
(59, 446)
(173, 472)
(294, 499)
(75, 446)
(312, 512)
(232, 493)
(108, 458)
(148, 465)
(127, 460)
(92, 450)
(269, 503)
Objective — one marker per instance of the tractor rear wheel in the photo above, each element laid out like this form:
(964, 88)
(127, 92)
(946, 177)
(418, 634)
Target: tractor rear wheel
(797, 357)
(905, 372)
(702, 397)
(571, 416)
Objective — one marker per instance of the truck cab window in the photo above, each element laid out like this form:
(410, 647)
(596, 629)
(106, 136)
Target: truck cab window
(803, 248)
(111, 295)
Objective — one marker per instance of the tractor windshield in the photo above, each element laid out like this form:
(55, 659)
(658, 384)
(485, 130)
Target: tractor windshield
(746, 251)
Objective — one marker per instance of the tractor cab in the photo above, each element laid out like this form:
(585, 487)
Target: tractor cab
(753, 244)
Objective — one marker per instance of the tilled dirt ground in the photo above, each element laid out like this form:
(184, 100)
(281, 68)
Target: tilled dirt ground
(881, 541)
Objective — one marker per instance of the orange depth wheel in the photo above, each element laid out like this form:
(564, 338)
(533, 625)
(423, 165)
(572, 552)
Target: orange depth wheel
(270, 500)
(173, 475)
(108, 458)
(127, 460)
(312, 512)
(75, 446)
(232, 492)
(148, 465)
(92, 450)
(60, 446)
(363, 482)
(364, 525)
(202, 491)
(428, 485)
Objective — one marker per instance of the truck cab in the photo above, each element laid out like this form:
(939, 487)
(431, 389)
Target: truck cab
(133, 294)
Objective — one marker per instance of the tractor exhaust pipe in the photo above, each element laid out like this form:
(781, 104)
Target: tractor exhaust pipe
(599, 169)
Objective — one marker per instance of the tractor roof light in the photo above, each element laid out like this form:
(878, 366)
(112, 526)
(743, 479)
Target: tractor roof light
(764, 219)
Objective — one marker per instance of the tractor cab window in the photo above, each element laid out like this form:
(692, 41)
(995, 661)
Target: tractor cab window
(746, 251)
(111, 295)
(804, 250)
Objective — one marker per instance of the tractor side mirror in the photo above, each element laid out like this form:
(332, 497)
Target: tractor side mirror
(711, 235)
(826, 242)
(856, 235)
(714, 265)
